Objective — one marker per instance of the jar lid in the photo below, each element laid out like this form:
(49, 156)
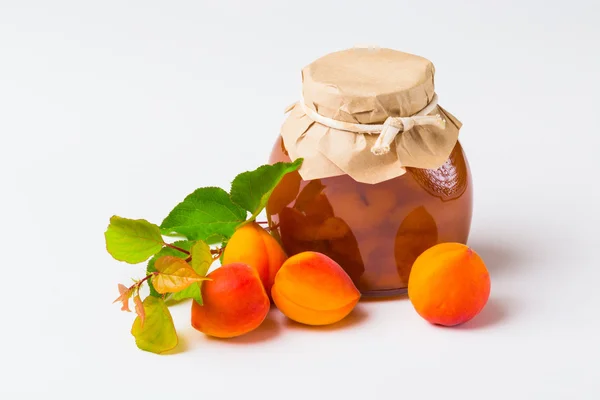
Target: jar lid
(368, 113)
(367, 85)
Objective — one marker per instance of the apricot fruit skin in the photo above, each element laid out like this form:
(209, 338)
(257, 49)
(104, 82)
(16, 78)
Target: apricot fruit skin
(313, 289)
(252, 245)
(235, 302)
(449, 284)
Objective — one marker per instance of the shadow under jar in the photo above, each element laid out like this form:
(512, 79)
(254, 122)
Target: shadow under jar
(374, 231)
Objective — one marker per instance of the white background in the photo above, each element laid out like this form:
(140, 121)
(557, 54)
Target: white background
(122, 107)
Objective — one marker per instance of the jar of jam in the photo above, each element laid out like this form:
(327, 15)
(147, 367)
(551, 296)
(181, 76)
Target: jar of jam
(383, 176)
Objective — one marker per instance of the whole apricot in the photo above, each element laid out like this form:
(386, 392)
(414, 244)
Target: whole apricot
(312, 289)
(449, 284)
(252, 245)
(235, 302)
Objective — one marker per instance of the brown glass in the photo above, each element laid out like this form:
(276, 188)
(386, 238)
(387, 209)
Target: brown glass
(375, 232)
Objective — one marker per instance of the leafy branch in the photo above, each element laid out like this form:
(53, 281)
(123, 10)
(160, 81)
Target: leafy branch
(209, 215)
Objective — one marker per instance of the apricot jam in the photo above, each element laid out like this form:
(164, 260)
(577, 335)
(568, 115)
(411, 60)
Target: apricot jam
(374, 231)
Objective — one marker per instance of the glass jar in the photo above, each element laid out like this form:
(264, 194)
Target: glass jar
(374, 231)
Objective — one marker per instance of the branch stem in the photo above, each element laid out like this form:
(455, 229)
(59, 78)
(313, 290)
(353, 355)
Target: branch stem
(138, 284)
(216, 252)
(146, 278)
(177, 248)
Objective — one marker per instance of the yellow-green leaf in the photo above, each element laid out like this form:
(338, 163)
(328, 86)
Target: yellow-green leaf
(132, 240)
(201, 262)
(201, 257)
(174, 274)
(158, 333)
(166, 251)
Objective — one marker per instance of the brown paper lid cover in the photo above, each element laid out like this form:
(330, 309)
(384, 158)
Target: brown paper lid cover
(366, 86)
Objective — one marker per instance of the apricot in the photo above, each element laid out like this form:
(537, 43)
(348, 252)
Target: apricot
(312, 289)
(318, 209)
(448, 284)
(252, 245)
(345, 251)
(284, 193)
(235, 302)
(417, 233)
(308, 196)
(310, 229)
(364, 209)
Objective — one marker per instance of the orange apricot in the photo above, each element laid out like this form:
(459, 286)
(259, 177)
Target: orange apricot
(310, 194)
(252, 245)
(309, 228)
(417, 233)
(364, 209)
(448, 284)
(235, 302)
(345, 251)
(312, 289)
(320, 208)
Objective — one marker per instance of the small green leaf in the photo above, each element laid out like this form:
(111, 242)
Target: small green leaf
(252, 189)
(193, 291)
(201, 262)
(201, 257)
(203, 214)
(166, 251)
(132, 240)
(158, 333)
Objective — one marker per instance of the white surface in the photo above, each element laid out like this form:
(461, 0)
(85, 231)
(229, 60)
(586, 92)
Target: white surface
(115, 107)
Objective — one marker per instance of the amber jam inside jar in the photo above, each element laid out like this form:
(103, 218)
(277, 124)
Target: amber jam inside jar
(374, 231)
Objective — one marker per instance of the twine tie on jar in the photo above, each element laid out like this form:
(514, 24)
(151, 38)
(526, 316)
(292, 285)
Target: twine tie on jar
(387, 131)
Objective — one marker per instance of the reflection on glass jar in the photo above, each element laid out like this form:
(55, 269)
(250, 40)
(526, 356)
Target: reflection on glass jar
(375, 232)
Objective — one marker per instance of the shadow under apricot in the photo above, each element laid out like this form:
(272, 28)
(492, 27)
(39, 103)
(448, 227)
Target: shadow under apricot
(495, 312)
(269, 329)
(356, 317)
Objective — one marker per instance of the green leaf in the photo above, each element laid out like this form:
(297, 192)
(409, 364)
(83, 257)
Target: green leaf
(166, 251)
(193, 291)
(157, 334)
(215, 238)
(201, 262)
(132, 240)
(201, 258)
(203, 214)
(252, 189)
(222, 256)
